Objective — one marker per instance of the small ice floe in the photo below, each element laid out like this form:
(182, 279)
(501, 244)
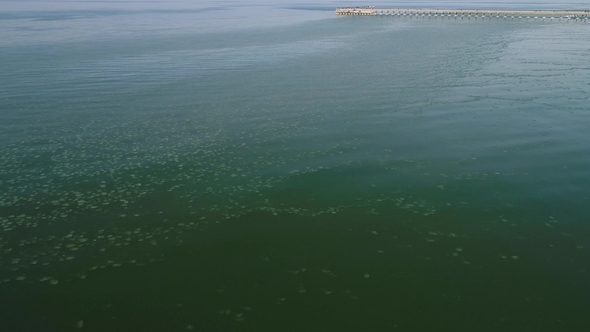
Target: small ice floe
(367, 275)
(459, 249)
(374, 232)
(53, 281)
(80, 324)
(579, 247)
(514, 257)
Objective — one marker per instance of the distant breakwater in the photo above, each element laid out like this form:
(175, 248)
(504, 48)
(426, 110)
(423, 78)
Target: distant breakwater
(578, 15)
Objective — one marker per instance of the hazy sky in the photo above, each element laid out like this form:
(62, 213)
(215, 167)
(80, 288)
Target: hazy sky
(40, 5)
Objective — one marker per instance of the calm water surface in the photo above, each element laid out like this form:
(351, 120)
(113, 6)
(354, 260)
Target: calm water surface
(228, 167)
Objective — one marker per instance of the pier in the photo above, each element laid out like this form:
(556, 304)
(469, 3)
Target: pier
(578, 15)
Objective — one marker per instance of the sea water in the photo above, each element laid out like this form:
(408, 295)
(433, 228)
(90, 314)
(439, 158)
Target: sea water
(268, 166)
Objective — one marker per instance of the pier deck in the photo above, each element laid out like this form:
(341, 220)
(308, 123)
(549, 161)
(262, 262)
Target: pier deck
(553, 14)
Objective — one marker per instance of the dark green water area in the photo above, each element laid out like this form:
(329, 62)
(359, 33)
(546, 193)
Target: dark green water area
(289, 174)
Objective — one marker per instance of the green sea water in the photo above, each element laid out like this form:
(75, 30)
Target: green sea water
(283, 169)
